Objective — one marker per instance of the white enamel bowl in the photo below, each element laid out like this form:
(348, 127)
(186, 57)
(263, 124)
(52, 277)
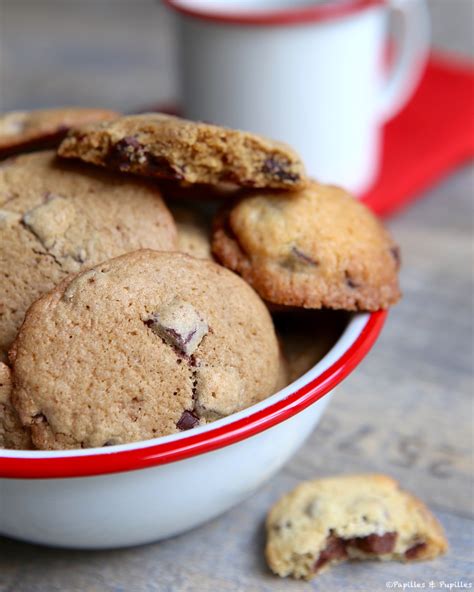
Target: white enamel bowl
(137, 493)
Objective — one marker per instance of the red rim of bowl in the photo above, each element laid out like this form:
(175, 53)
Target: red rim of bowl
(104, 463)
(289, 16)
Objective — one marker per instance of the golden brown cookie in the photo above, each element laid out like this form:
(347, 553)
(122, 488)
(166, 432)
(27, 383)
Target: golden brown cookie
(318, 247)
(12, 433)
(144, 345)
(157, 145)
(23, 131)
(324, 522)
(58, 218)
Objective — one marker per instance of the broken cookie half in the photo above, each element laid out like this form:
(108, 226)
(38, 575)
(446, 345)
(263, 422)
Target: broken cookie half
(166, 147)
(327, 521)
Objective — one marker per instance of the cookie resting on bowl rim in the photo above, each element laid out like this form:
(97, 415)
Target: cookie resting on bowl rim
(355, 342)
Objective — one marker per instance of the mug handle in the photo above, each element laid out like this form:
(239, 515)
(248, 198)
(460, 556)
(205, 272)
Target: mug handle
(412, 48)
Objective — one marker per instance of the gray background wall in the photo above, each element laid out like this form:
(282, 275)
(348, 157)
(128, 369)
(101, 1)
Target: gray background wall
(119, 53)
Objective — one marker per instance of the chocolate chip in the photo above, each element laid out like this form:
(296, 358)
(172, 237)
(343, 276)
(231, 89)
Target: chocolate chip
(80, 256)
(130, 141)
(335, 550)
(303, 257)
(349, 281)
(415, 551)
(128, 151)
(279, 169)
(375, 543)
(187, 421)
(276, 528)
(298, 261)
(395, 252)
(159, 165)
(119, 155)
(39, 418)
(179, 325)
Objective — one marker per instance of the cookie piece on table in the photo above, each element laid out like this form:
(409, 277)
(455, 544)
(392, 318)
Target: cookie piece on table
(327, 521)
(12, 433)
(154, 343)
(23, 131)
(317, 247)
(163, 146)
(194, 230)
(57, 218)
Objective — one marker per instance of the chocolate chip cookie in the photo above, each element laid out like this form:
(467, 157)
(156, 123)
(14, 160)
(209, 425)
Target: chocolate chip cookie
(23, 131)
(144, 345)
(57, 218)
(327, 521)
(12, 433)
(317, 247)
(157, 145)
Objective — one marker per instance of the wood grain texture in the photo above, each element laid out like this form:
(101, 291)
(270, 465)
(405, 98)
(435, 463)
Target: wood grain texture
(407, 410)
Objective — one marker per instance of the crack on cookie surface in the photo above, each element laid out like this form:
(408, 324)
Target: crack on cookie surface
(181, 327)
(47, 254)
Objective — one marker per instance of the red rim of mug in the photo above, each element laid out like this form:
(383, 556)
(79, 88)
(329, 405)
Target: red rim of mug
(290, 16)
(104, 463)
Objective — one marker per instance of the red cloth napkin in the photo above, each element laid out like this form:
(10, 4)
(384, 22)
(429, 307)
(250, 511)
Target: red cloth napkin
(431, 136)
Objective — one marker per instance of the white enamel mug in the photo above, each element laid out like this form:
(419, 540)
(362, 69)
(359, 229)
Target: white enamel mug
(307, 73)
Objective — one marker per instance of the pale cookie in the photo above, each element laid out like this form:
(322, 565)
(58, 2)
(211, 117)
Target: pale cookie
(194, 230)
(141, 346)
(157, 145)
(12, 433)
(57, 218)
(23, 131)
(314, 248)
(324, 522)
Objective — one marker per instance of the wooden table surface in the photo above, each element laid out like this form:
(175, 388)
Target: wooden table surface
(406, 411)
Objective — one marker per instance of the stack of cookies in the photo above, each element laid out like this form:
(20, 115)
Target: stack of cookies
(139, 265)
